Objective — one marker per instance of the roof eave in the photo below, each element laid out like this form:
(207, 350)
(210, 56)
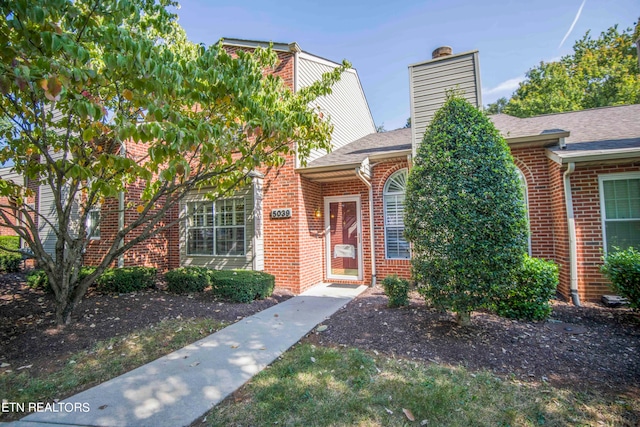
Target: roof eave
(540, 140)
(390, 154)
(624, 155)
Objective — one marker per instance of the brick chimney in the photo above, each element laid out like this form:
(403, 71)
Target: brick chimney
(442, 51)
(429, 82)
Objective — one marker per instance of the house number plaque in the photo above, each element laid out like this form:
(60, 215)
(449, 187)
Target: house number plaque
(281, 213)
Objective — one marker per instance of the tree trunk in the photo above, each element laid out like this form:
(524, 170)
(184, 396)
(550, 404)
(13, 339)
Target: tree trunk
(463, 318)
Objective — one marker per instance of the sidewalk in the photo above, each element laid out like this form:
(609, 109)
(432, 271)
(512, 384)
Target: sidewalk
(180, 387)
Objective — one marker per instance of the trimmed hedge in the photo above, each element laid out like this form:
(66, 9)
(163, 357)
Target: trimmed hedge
(112, 280)
(397, 290)
(188, 279)
(10, 261)
(127, 279)
(242, 285)
(535, 285)
(623, 269)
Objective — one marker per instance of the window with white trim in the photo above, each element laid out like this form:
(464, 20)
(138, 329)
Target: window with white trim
(93, 224)
(620, 210)
(216, 228)
(396, 246)
(525, 193)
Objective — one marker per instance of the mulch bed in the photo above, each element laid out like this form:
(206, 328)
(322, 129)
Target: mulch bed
(581, 348)
(29, 336)
(578, 347)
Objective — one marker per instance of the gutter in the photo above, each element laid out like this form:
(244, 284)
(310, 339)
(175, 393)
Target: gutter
(371, 225)
(571, 224)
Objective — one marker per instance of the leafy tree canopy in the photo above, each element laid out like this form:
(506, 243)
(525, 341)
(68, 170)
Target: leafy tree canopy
(465, 213)
(106, 94)
(600, 72)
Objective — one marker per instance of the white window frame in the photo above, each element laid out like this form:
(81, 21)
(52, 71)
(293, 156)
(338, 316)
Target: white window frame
(603, 212)
(92, 211)
(385, 193)
(214, 227)
(523, 180)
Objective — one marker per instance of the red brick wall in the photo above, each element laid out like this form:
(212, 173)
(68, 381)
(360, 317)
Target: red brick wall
(533, 163)
(586, 203)
(386, 267)
(548, 218)
(380, 173)
(11, 214)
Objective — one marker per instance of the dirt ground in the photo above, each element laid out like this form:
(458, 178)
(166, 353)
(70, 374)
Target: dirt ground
(580, 348)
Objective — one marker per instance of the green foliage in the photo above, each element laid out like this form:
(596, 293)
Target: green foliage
(534, 285)
(37, 279)
(125, 280)
(599, 73)
(465, 213)
(623, 269)
(242, 285)
(496, 107)
(104, 72)
(397, 290)
(9, 261)
(188, 279)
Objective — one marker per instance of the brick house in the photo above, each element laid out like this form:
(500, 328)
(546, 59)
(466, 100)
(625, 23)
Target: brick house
(339, 218)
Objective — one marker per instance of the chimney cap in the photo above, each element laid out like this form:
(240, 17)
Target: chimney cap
(442, 51)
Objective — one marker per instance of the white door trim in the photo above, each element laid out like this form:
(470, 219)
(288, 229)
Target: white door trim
(327, 234)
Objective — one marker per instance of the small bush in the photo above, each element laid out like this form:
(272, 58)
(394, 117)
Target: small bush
(397, 290)
(10, 261)
(125, 280)
(534, 286)
(242, 285)
(37, 279)
(187, 279)
(623, 269)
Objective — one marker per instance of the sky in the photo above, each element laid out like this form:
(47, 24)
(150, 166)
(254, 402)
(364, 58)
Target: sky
(382, 38)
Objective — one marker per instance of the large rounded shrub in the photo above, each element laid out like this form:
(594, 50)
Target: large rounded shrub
(465, 211)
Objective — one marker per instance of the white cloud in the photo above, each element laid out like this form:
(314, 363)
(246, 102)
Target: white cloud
(505, 88)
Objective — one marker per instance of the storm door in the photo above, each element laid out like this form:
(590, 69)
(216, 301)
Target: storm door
(343, 238)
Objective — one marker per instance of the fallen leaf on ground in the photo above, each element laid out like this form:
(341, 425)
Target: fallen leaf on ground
(408, 414)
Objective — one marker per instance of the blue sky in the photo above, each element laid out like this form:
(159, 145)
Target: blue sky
(381, 38)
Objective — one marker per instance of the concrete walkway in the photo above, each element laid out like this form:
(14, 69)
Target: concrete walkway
(178, 388)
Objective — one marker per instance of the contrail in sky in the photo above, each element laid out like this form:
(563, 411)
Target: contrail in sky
(573, 24)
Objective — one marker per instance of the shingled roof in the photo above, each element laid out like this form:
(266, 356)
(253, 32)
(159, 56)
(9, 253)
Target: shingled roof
(392, 142)
(613, 131)
(592, 132)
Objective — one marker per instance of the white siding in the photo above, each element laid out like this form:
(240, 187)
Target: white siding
(47, 209)
(347, 106)
(430, 81)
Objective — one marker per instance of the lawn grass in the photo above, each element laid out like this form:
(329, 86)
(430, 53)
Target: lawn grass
(318, 386)
(106, 360)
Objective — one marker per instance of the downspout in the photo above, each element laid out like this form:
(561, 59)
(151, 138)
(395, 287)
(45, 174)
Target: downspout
(571, 224)
(123, 153)
(371, 225)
